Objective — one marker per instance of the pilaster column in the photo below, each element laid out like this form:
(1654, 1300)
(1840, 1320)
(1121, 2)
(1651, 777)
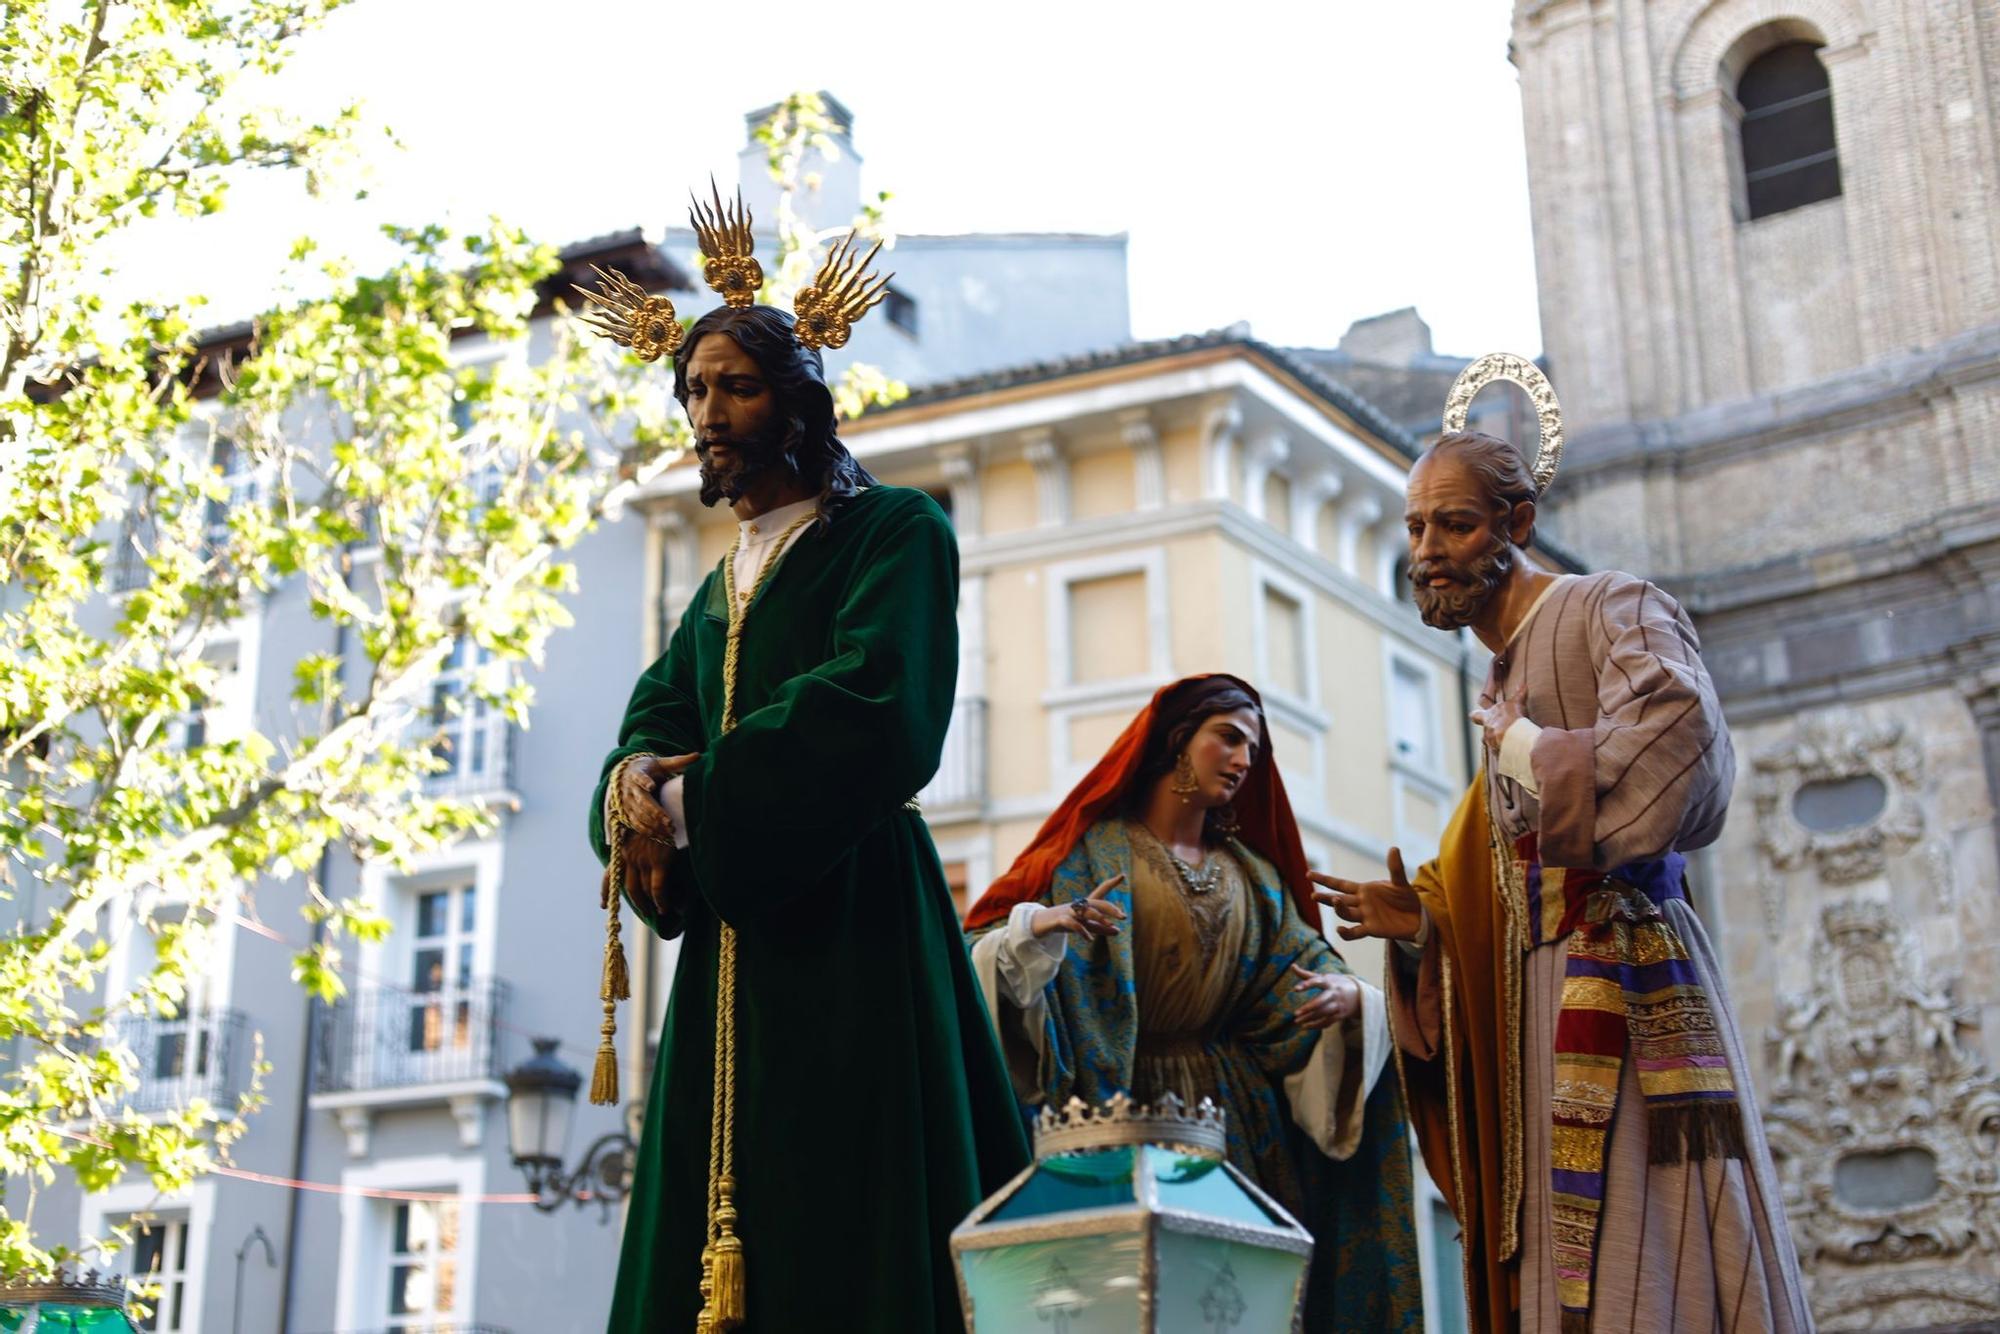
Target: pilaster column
(1309, 494)
(1219, 438)
(960, 464)
(1149, 468)
(1045, 454)
(1265, 453)
(1357, 516)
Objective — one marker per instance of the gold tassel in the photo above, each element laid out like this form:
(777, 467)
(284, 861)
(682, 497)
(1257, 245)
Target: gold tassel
(604, 1076)
(617, 985)
(729, 1286)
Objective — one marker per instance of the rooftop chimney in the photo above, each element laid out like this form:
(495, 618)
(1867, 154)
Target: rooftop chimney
(838, 196)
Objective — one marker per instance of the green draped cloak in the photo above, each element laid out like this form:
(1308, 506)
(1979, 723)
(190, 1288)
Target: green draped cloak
(873, 1111)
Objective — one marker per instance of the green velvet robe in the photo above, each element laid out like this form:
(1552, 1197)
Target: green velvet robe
(873, 1111)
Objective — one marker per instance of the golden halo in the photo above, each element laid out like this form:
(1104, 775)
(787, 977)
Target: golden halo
(1525, 373)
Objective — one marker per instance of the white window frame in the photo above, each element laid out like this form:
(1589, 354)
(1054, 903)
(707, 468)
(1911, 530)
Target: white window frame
(1302, 714)
(366, 1234)
(1395, 660)
(1065, 699)
(1425, 775)
(195, 1207)
(1439, 1287)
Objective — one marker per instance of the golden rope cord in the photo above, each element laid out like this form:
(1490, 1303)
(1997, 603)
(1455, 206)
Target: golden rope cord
(722, 1278)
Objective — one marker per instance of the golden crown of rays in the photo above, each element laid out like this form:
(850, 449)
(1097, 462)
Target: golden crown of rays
(629, 317)
(724, 235)
(825, 310)
(1525, 373)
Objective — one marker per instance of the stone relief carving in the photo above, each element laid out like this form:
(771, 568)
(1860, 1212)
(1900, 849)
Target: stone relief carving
(1830, 748)
(1885, 1127)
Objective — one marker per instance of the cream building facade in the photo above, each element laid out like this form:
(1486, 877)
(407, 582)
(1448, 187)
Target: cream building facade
(1768, 241)
(1126, 519)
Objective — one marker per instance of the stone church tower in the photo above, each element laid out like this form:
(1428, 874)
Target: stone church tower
(1768, 238)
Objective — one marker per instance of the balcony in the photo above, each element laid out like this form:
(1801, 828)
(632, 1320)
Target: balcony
(384, 1038)
(179, 1060)
(387, 1047)
(958, 789)
(477, 747)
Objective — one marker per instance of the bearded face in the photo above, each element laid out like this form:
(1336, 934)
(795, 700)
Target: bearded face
(1450, 593)
(730, 464)
(741, 428)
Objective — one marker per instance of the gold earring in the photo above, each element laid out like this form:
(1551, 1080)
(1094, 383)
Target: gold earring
(1226, 823)
(1185, 784)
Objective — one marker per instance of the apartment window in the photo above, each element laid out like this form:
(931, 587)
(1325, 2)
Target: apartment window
(1789, 157)
(901, 308)
(1108, 631)
(473, 740)
(423, 1263)
(1284, 644)
(236, 472)
(1412, 717)
(159, 1257)
(441, 968)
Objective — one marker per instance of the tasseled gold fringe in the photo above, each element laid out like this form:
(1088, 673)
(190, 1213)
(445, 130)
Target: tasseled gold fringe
(1695, 1132)
(728, 1286)
(604, 1075)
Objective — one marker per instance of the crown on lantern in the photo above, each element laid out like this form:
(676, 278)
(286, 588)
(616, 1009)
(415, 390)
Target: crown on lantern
(1081, 1128)
(825, 310)
(89, 1288)
(1525, 373)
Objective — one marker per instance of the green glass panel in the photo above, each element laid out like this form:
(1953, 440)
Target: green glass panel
(1200, 1186)
(1077, 1285)
(1209, 1286)
(12, 1318)
(1101, 1180)
(59, 1319)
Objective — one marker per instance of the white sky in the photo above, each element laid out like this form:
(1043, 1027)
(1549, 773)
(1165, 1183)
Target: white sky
(1296, 165)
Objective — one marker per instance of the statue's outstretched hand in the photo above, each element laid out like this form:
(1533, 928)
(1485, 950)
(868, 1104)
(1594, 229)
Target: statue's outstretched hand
(1382, 909)
(1092, 917)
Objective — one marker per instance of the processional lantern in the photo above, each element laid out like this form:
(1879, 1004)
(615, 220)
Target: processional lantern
(89, 1303)
(1131, 1221)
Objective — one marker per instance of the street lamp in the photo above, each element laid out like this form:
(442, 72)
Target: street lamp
(541, 1094)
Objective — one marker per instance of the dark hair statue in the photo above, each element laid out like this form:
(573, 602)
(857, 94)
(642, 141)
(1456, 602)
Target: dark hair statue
(1179, 716)
(809, 444)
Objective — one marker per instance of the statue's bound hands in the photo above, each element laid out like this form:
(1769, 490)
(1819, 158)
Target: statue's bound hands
(1382, 909)
(649, 851)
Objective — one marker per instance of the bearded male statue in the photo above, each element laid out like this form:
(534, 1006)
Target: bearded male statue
(1571, 1063)
(829, 1099)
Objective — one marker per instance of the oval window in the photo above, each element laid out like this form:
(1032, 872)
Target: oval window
(1888, 1179)
(1835, 804)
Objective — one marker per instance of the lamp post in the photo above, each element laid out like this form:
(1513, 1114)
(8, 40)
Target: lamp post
(541, 1095)
(242, 1254)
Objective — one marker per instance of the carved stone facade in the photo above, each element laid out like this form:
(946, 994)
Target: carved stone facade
(1885, 1122)
(1792, 422)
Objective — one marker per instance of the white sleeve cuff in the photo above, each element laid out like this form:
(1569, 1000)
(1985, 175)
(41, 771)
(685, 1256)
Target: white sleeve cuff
(1517, 747)
(676, 808)
(1414, 947)
(1027, 964)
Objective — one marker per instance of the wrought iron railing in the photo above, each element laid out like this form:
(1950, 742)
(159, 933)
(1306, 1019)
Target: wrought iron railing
(961, 776)
(477, 747)
(179, 1060)
(383, 1037)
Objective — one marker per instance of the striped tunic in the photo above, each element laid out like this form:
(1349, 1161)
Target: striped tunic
(1633, 760)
